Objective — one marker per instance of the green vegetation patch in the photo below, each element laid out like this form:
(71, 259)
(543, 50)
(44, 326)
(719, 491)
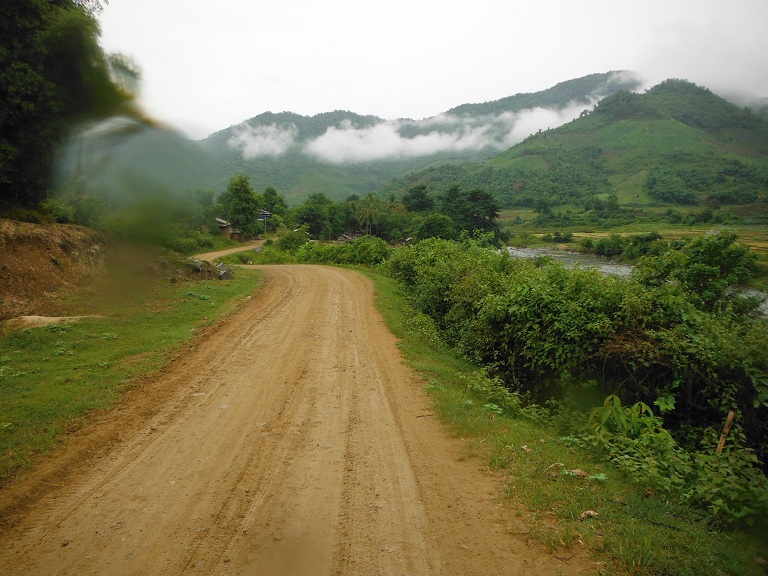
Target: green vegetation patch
(571, 497)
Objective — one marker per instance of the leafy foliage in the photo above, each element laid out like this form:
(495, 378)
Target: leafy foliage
(668, 187)
(545, 330)
(417, 199)
(367, 212)
(242, 204)
(437, 226)
(473, 210)
(366, 251)
(729, 485)
(704, 268)
(52, 71)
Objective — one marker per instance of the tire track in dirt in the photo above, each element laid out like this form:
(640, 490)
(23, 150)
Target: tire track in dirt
(294, 444)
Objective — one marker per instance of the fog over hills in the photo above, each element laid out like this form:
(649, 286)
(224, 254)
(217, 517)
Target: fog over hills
(341, 137)
(342, 152)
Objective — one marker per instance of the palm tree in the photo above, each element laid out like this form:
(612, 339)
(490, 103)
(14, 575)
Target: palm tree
(368, 212)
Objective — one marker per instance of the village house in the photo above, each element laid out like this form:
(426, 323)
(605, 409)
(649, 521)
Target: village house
(228, 231)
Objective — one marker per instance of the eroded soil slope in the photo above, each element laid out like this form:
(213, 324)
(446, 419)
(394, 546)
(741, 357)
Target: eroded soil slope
(37, 262)
(292, 441)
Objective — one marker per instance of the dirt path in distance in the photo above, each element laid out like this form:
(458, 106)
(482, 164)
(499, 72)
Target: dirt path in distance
(211, 256)
(295, 442)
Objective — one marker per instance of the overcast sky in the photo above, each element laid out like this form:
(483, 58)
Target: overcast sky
(208, 65)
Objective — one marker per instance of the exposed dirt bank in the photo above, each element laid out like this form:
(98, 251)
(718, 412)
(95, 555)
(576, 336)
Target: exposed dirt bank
(37, 262)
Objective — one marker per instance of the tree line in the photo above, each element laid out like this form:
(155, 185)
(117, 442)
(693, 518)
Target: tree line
(415, 214)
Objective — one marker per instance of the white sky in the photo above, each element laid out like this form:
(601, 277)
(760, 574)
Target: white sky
(208, 65)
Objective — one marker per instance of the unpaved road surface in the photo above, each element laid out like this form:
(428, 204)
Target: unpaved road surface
(210, 256)
(290, 440)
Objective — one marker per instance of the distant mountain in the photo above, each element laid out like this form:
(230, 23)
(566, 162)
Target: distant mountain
(341, 153)
(581, 91)
(677, 143)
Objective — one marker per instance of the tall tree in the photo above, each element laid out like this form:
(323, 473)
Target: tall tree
(436, 226)
(324, 218)
(482, 210)
(274, 202)
(416, 199)
(52, 70)
(471, 211)
(242, 204)
(368, 212)
(452, 204)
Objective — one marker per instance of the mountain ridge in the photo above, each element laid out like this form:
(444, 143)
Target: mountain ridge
(675, 144)
(343, 153)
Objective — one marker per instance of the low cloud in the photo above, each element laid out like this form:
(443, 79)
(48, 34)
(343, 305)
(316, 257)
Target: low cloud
(528, 122)
(257, 141)
(444, 133)
(447, 133)
(349, 144)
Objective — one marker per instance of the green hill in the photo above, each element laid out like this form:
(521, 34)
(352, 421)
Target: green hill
(342, 153)
(677, 143)
(577, 91)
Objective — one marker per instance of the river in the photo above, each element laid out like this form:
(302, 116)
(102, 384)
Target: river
(605, 266)
(574, 259)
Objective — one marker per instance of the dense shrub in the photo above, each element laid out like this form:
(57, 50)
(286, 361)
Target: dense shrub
(188, 242)
(704, 268)
(544, 330)
(668, 187)
(729, 485)
(612, 245)
(366, 251)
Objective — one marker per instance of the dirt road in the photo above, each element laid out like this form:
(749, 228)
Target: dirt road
(210, 256)
(291, 441)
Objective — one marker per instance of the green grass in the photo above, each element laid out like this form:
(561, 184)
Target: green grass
(653, 136)
(635, 532)
(51, 377)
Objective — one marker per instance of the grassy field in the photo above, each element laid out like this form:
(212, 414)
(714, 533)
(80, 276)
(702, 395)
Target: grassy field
(632, 531)
(750, 222)
(52, 376)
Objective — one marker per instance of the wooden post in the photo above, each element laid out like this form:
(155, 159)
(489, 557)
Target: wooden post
(726, 429)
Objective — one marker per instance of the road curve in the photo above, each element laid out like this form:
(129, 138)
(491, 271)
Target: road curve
(295, 442)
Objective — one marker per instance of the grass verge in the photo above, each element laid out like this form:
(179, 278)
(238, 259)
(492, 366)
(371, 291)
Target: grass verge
(571, 497)
(52, 376)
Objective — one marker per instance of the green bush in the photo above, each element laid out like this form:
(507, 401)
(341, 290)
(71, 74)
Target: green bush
(187, 242)
(612, 245)
(366, 251)
(544, 330)
(730, 486)
(292, 240)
